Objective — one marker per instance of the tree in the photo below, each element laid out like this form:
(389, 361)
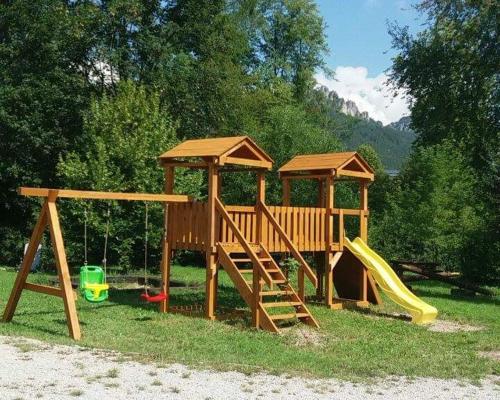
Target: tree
(123, 137)
(450, 71)
(289, 41)
(433, 213)
(43, 93)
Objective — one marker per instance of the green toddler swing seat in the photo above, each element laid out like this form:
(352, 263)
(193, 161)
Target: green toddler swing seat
(93, 286)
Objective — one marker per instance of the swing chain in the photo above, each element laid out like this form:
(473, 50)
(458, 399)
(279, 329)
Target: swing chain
(85, 216)
(106, 236)
(146, 226)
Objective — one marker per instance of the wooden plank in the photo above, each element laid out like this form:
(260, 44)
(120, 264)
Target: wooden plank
(87, 194)
(246, 209)
(51, 291)
(355, 174)
(28, 258)
(246, 161)
(62, 268)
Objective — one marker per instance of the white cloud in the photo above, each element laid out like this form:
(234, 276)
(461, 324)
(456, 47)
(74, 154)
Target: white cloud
(369, 94)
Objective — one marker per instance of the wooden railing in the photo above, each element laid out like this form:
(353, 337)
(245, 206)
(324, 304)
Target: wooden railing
(290, 246)
(243, 242)
(304, 226)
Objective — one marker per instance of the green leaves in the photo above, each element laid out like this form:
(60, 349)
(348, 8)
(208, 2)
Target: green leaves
(122, 138)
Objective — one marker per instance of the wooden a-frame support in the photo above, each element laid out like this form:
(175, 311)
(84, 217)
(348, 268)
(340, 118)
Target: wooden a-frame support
(48, 217)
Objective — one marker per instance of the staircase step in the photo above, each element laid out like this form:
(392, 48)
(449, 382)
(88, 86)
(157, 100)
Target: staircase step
(238, 248)
(276, 292)
(247, 260)
(249, 271)
(288, 316)
(282, 304)
(279, 280)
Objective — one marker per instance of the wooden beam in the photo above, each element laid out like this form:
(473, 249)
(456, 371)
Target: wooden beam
(349, 211)
(87, 194)
(184, 164)
(62, 268)
(355, 174)
(246, 161)
(166, 257)
(241, 169)
(51, 291)
(284, 175)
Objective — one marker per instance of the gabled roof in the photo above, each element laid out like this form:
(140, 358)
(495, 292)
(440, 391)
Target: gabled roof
(342, 164)
(226, 150)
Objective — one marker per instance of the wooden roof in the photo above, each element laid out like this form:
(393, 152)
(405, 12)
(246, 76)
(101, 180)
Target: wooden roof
(239, 150)
(348, 164)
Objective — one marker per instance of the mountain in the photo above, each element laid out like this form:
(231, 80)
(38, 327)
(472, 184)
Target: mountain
(392, 144)
(347, 107)
(354, 127)
(403, 124)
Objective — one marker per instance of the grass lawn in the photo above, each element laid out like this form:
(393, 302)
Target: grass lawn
(350, 344)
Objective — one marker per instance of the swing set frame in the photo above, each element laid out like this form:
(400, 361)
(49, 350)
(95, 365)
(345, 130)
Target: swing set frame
(49, 217)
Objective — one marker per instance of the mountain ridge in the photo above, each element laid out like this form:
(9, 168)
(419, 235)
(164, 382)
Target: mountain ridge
(392, 142)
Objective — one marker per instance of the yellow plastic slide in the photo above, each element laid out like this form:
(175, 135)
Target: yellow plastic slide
(387, 279)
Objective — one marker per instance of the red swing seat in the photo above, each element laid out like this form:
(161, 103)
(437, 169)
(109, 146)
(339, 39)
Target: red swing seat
(157, 298)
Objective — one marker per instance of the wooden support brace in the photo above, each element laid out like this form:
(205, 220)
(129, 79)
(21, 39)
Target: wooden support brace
(48, 216)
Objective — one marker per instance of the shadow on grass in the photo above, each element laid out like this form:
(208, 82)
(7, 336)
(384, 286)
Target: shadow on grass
(427, 290)
(381, 314)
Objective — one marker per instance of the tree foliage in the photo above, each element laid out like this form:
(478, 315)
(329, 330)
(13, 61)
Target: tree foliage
(450, 71)
(122, 138)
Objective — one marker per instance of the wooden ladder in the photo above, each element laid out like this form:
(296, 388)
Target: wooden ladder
(263, 286)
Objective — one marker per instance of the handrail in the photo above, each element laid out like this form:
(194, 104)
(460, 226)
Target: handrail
(243, 242)
(310, 274)
(349, 211)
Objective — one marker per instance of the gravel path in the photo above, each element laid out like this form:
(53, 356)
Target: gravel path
(31, 369)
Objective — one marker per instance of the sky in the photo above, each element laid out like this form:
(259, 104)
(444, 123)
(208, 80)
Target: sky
(360, 52)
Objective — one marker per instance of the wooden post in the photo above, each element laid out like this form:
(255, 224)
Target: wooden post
(329, 204)
(363, 218)
(62, 269)
(320, 257)
(363, 233)
(256, 279)
(210, 250)
(166, 258)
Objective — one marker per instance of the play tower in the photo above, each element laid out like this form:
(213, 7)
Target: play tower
(242, 239)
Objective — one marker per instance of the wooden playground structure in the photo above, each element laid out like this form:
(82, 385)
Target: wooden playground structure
(240, 239)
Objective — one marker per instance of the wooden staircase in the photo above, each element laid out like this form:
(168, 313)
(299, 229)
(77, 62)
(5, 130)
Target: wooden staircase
(260, 281)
